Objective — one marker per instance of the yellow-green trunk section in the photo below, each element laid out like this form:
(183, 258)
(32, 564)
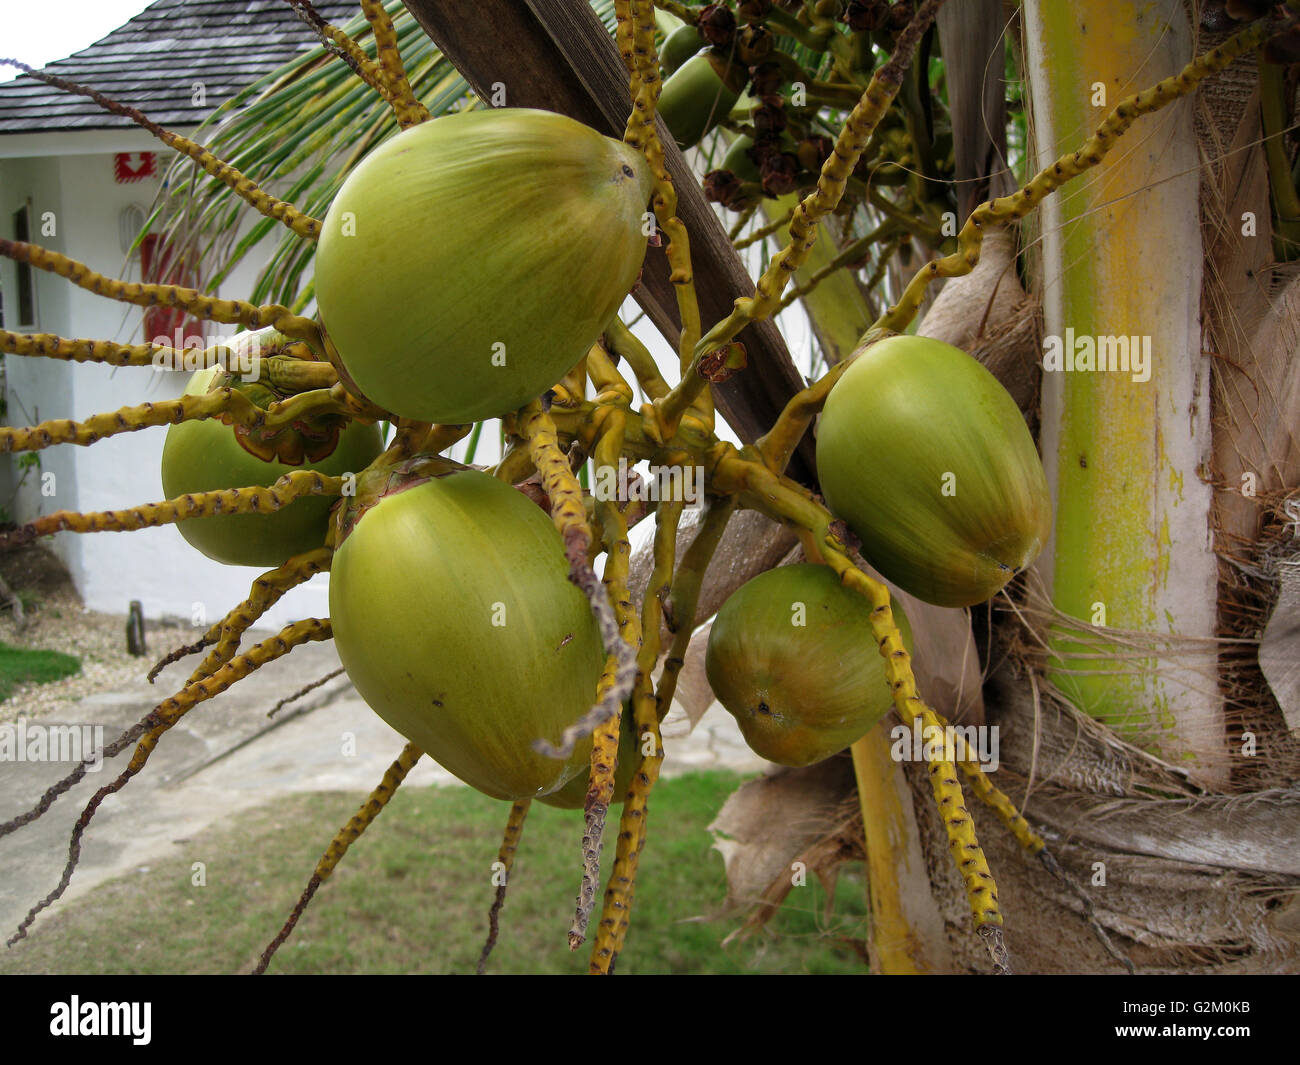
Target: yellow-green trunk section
(1122, 258)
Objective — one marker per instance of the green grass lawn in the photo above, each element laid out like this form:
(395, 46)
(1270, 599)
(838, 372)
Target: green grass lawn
(412, 896)
(18, 665)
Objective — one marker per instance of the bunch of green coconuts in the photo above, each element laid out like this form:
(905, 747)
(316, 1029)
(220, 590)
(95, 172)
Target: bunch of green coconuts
(463, 269)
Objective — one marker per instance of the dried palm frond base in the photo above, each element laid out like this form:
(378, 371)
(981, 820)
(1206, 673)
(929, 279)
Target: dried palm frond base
(1176, 880)
(1189, 883)
(1278, 661)
(778, 831)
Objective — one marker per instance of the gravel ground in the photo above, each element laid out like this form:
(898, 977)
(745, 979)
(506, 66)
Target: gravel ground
(56, 620)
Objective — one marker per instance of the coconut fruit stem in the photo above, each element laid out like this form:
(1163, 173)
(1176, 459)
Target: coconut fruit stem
(778, 444)
(637, 17)
(627, 346)
(286, 490)
(605, 738)
(685, 595)
(110, 353)
(229, 404)
(343, 839)
(151, 728)
(614, 920)
(245, 188)
(612, 389)
(506, 859)
(229, 312)
(849, 146)
(570, 518)
(266, 591)
(407, 108)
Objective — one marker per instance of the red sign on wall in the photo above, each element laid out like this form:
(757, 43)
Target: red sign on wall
(161, 265)
(134, 166)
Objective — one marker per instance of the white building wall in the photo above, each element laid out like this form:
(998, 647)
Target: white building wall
(155, 566)
(37, 389)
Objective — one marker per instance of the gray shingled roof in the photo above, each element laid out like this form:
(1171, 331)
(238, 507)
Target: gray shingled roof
(154, 60)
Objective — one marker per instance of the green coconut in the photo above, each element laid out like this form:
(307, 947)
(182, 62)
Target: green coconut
(792, 657)
(678, 47)
(699, 96)
(207, 456)
(469, 262)
(929, 461)
(454, 616)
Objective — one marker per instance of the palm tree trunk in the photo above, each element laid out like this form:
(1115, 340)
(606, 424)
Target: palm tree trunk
(1124, 448)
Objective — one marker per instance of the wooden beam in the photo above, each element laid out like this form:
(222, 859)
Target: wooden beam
(556, 55)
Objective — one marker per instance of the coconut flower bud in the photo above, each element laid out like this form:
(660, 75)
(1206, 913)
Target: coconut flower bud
(768, 120)
(717, 25)
(765, 144)
(753, 44)
(900, 15)
(722, 186)
(753, 10)
(862, 15)
(780, 173)
(766, 79)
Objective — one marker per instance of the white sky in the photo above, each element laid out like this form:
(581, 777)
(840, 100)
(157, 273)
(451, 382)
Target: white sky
(37, 32)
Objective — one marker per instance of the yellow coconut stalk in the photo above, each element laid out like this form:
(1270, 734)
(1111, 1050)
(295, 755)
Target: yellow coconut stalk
(837, 310)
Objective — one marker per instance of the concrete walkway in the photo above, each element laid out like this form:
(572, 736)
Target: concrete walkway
(225, 757)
